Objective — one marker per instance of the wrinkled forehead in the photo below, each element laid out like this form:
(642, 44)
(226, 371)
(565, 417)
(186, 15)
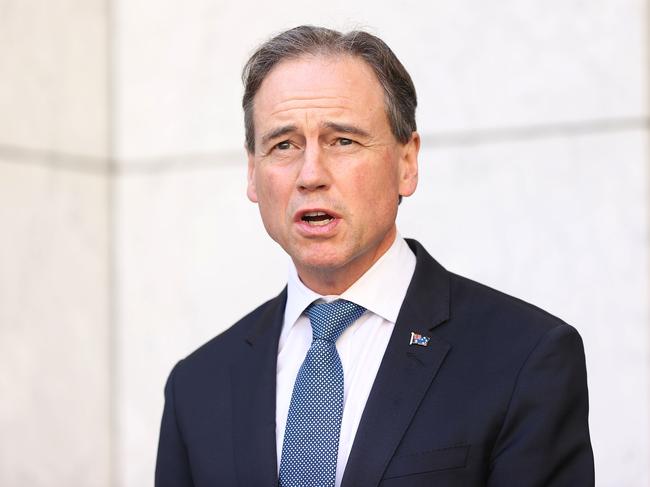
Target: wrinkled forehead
(321, 81)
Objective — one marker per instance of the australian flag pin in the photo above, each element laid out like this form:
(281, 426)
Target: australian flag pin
(417, 339)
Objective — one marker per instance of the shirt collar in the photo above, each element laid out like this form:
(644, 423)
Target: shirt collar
(380, 290)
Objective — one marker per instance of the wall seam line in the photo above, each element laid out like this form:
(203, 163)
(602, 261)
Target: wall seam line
(115, 167)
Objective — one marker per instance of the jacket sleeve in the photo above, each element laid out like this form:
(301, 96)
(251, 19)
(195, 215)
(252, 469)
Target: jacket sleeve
(172, 464)
(544, 440)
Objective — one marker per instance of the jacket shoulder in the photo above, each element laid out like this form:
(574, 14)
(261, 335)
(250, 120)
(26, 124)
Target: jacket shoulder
(266, 318)
(481, 306)
(473, 306)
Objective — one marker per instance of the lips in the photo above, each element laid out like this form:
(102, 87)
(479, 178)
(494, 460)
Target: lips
(317, 222)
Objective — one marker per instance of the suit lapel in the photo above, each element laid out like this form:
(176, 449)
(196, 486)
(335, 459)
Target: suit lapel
(253, 379)
(405, 374)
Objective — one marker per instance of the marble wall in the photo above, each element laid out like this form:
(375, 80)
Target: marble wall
(55, 340)
(129, 239)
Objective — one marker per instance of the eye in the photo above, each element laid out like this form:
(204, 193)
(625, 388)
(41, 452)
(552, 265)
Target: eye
(284, 145)
(344, 141)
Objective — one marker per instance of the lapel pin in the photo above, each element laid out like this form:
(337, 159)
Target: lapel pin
(417, 339)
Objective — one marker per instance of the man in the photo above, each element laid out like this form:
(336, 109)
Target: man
(375, 366)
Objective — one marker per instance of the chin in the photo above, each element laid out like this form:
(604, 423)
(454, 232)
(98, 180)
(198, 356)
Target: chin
(319, 258)
(320, 262)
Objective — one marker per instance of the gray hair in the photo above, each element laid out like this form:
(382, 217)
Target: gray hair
(399, 92)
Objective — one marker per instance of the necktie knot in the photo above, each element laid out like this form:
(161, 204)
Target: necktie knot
(329, 320)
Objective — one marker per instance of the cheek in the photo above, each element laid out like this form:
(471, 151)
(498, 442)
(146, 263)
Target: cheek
(375, 195)
(273, 191)
(379, 180)
(385, 187)
(266, 183)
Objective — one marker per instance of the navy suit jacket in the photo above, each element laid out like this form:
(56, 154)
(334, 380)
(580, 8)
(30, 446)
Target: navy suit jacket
(498, 398)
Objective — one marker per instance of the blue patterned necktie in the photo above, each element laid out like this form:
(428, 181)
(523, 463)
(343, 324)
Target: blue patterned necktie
(311, 437)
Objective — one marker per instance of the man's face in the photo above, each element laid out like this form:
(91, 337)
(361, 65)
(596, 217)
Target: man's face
(327, 171)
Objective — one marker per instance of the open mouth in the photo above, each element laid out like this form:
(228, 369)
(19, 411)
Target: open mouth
(317, 218)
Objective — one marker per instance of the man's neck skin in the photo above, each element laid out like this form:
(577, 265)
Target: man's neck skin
(334, 281)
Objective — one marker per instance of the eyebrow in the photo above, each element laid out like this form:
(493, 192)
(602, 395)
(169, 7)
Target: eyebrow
(346, 129)
(278, 132)
(337, 127)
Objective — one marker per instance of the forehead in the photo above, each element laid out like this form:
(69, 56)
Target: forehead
(318, 84)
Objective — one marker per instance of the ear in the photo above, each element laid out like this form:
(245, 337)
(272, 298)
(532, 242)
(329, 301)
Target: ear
(408, 166)
(251, 191)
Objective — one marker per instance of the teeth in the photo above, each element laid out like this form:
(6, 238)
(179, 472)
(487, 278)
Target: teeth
(319, 223)
(315, 213)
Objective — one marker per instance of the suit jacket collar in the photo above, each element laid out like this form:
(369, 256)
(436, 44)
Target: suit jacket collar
(405, 374)
(253, 398)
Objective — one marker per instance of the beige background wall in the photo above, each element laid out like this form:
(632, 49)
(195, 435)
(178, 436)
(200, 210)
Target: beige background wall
(55, 316)
(127, 240)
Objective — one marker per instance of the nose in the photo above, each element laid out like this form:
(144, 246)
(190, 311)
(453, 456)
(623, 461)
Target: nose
(314, 174)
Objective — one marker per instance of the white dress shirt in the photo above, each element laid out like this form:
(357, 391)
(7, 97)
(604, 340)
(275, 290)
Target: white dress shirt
(381, 290)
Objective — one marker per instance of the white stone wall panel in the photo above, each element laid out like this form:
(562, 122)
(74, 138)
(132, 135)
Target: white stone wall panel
(54, 340)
